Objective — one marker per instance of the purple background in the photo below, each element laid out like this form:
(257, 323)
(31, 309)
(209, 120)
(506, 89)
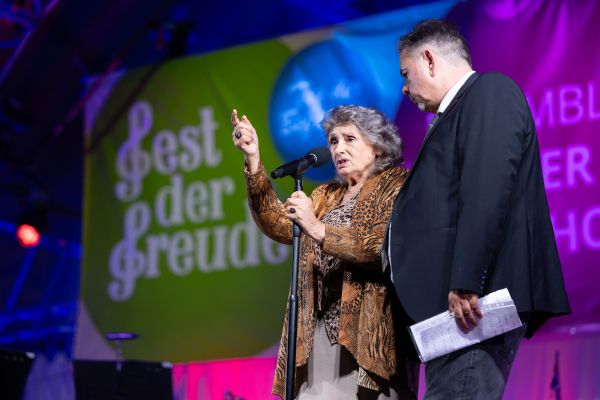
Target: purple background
(551, 49)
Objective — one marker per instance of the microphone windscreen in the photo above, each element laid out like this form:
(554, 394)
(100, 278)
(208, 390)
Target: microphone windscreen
(322, 154)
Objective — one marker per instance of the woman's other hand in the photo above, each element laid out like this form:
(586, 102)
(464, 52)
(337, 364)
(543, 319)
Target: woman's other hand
(300, 209)
(245, 138)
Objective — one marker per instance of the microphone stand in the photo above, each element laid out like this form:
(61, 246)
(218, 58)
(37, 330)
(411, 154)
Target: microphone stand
(290, 364)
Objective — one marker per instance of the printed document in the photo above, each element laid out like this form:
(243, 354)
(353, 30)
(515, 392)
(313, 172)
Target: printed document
(441, 335)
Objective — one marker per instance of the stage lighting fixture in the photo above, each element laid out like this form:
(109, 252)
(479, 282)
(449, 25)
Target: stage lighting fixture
(28, 236)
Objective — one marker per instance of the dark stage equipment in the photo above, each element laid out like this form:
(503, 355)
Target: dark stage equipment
(14, 368)
(555, 385)
(137, 380)
(290, 362)
(118, 338)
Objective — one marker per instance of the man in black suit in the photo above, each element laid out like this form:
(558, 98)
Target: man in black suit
(472, 216)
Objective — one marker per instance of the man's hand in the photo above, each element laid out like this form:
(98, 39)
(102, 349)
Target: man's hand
(464, 304)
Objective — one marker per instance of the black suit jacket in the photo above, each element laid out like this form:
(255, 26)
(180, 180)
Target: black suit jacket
(473, 214)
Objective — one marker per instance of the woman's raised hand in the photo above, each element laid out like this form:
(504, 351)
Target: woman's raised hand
(245, 138)
(300, 209)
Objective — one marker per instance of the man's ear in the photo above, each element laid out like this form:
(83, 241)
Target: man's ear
(429, 61)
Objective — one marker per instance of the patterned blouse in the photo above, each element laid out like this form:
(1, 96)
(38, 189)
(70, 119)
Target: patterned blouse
(365, 324)
(329, 271)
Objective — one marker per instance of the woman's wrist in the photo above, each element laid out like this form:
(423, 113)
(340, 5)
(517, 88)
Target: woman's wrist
(253, 163)
(319, 233)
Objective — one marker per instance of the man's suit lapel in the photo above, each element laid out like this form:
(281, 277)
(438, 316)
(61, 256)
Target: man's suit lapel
(459, 94)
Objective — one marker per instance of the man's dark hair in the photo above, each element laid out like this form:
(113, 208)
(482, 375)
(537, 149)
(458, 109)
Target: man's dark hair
(441, 34)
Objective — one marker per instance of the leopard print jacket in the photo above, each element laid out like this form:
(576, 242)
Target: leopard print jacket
(366, 327)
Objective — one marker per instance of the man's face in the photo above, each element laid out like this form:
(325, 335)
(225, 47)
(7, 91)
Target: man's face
(418, 85)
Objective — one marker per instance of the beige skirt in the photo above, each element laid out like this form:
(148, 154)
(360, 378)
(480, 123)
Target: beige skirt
(332, 374)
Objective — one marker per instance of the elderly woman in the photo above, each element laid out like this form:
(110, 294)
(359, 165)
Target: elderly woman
(346, 343)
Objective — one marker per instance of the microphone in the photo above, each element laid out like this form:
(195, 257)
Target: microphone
(316, 157)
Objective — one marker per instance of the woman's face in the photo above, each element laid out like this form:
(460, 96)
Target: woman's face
(353, 157)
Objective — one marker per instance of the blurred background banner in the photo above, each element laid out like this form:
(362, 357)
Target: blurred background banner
(171, 251)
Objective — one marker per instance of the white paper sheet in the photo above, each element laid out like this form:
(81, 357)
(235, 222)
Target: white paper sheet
(441, 335)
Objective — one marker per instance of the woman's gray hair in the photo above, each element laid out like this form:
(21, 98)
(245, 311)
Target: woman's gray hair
(376, 130)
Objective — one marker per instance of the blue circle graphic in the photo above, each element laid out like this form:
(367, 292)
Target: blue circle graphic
(312, 82)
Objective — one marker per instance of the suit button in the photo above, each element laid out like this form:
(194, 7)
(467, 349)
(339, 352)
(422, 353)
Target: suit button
(484, 270)
(483, 277)
(480, 287)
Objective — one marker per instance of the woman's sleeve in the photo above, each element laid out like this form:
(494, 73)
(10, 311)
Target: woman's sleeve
(268, 212)
(361, 242)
